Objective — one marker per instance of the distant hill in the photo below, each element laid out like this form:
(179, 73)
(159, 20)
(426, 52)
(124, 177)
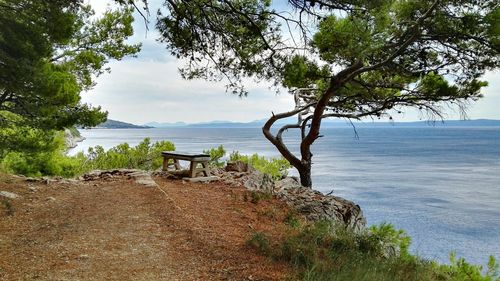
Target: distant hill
(166, 125)
(113, 124)
(328, 123)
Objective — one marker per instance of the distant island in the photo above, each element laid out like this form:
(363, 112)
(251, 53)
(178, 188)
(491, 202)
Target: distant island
(113, 124)
(328, 123)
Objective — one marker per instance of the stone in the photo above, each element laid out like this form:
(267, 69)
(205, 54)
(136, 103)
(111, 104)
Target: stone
(8, 195)
(147, 182)
(202, 179)
(72, 140)
(259, 181)
(316, 206)
(237, 166)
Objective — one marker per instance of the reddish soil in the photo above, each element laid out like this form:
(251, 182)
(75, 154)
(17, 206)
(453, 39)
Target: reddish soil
(119, 230)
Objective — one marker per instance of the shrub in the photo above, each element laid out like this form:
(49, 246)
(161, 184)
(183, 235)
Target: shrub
(324, 251)
(275, 167)
(260, 242)
(292, 220)
(216, 154)
(145, 156)
(459, 269)
(54, 161)
(257, 196)
(51, 161)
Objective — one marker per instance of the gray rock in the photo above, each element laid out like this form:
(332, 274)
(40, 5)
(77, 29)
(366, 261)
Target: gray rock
(202, 179)
(316, 206)
(259, 181)
(72, 140)
(9, 195)
(237, 166)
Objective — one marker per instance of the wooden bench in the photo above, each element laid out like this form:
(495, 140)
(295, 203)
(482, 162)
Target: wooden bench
(194, 159)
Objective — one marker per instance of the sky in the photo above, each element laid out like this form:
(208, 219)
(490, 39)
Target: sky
(149, 88)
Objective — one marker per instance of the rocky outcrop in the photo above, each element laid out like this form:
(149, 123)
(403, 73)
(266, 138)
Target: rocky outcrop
(72, 140)
(237, 166)
(313, 204)
(139, 176)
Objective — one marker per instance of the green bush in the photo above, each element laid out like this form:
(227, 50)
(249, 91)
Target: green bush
(216, 154)
(324, 251)
(257, 196)
(51, 161)
(145, 156)
(275, 167)
(260, 242)
(55, 162)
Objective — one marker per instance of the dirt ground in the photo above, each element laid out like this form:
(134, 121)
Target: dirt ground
(119, 230)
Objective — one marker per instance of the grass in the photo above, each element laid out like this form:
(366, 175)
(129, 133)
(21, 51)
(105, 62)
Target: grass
(9, 209)
(260, 242)
(324, 251)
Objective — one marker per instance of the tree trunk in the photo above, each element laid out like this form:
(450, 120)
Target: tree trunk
(305, 174)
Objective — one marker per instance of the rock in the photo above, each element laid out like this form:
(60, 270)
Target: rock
(139, 176)
(72, 140)
(286, 183)
(202, 179)
(237, 166)
(83, 257)
(51, 199)
(147, 182)
(316, 206)
(8, 195)
(259, 181)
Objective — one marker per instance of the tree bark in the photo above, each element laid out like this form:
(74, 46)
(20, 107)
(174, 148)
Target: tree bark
(305, 174)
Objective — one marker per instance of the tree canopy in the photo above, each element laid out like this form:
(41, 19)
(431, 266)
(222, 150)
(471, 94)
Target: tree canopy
(51, 51)
(345, 58)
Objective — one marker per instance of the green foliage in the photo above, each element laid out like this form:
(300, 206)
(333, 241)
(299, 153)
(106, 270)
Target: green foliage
(257, 196)
(145, 156)
(323, 251)
(391, 239)
(52, 160)
(192, 30)
(260, 242)
(45, 155)
(276, 167)
(460, 270)
(292, 220)
(50, 52)
(216, 154)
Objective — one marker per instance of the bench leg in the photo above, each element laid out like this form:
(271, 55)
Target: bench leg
(176, 164)
(165, 163)
(192, 169)
(205, 168)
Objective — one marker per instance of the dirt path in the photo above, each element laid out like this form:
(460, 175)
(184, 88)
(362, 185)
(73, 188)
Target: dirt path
(119, 230)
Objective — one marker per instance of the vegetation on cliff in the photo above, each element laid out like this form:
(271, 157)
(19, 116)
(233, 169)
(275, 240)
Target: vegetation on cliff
(324, 251)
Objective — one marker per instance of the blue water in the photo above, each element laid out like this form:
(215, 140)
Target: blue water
(440, 184)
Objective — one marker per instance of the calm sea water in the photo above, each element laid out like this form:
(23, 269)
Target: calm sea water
(440, 184)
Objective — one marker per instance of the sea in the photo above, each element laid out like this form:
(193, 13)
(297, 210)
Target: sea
(440, 184)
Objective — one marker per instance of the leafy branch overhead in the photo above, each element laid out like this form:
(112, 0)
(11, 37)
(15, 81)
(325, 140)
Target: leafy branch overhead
(51, 51)
(356, 58)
